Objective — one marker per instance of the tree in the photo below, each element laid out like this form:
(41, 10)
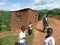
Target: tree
(0, 24)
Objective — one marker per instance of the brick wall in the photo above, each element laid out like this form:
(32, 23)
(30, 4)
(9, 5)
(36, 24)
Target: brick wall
(23, 17)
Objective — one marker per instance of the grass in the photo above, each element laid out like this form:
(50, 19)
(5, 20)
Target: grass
(29, 37)
(10, 40)
(50, 15)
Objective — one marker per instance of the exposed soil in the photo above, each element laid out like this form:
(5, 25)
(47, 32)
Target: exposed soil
(39, 35)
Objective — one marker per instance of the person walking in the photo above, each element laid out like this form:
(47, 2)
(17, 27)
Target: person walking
(49, 39)
(22, 36)
(45, 22)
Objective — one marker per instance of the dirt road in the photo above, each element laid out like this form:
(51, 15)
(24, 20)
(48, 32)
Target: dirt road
(39, 35)
(38, 32)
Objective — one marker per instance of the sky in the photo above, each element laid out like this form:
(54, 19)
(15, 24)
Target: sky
(13, 5)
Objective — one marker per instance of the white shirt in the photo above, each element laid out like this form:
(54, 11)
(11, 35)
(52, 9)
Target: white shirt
(49, 41)
(21, 36)
(46, 19)
(30, 26)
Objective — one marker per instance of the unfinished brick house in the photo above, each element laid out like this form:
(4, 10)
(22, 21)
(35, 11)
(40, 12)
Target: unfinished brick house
(23, 18)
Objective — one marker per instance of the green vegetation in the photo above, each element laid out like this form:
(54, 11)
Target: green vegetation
(54, 12)
(0, 24)
(30, 37)
(41, 13)
(5, 17)
(8, 40)
(12, 40)
(50, 13)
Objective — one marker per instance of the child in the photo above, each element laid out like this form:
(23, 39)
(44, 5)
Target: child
(22, 36)
(30, 29)
(49, 40)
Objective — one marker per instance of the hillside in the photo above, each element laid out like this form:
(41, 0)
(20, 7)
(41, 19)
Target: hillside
(50, 13)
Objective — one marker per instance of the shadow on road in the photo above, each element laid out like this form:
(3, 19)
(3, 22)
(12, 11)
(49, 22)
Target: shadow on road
(40, 30)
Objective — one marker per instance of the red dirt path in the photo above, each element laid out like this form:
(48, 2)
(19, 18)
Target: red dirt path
(39, 36)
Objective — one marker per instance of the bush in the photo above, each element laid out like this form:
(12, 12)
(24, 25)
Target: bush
(5, 18)
(0, 24)
(40, 14)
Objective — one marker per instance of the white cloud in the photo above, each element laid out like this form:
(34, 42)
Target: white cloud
(2, 3)
(12, 7)
(15, 7)
(36, 4)
(45, 4)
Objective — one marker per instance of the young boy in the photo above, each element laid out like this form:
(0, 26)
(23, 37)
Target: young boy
(30, 28)
(22, 36)
(49, 40)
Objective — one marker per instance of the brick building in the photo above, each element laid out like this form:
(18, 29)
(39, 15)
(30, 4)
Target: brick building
(23, 17)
